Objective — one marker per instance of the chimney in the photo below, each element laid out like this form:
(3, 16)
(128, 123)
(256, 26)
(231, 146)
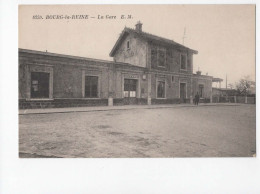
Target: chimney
(138, 26)
(198, 72)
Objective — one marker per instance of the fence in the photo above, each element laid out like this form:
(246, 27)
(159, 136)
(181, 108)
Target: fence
(234, 99)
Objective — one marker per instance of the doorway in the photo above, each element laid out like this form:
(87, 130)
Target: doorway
(183, 92)
(130, 88)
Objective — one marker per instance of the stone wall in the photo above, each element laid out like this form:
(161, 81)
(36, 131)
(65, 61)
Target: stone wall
(68, 78)
(172, 87)
(172, 59)
(135, 55)
(67, 81)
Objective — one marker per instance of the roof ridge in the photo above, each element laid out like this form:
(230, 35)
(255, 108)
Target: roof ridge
(154, 35)
(157, 36)
(55, 54)
(151, 37)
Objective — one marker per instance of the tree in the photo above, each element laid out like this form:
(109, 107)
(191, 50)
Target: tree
(245, 86)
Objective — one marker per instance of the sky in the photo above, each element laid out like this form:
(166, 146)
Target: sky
(223, 35)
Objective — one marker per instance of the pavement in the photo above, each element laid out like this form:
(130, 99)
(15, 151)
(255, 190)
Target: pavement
(107, 108)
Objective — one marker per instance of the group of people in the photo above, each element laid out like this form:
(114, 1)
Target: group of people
(197, 99)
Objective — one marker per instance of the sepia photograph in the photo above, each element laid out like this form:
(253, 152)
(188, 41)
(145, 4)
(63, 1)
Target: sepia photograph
(136, 81)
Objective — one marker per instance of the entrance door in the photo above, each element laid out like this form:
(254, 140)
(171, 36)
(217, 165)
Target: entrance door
(183, 92)
(130, 86)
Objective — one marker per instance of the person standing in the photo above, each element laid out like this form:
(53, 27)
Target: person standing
(197, 99)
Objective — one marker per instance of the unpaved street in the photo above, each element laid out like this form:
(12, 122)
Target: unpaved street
(204, 131)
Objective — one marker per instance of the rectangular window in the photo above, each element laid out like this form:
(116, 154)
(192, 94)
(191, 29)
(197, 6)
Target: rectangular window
(161, 89)
(183, 61)
(133, 94)
(161, 57)
(154, 57)
(128, 45)
(91, 86)
(40, 85)
(201, 90)
(126, 94)
(172, 78)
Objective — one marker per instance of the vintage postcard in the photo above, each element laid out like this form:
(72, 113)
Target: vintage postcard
(136, 81)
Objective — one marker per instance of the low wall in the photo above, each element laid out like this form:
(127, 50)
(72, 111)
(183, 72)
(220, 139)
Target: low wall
(242, 99)
(118, 101)
(230, 99)
(250, 100)
(61, 103)
(143, 101)
(168, 101)
(234, 99)
(122, 101)
(203, 100)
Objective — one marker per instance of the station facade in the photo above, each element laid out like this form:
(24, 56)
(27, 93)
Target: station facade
(146, 69)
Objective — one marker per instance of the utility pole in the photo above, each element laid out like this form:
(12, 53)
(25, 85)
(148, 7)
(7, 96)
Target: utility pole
(226, 81)
(184, 35)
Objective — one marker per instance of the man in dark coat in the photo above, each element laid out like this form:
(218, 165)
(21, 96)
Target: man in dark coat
(197, 99)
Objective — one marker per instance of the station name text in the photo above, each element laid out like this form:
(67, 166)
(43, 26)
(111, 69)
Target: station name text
(81, 17)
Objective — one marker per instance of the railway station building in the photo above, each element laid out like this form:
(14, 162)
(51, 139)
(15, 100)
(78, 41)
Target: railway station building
(146, 69)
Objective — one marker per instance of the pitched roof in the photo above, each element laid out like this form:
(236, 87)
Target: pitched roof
(147, 36)
(118, 64)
